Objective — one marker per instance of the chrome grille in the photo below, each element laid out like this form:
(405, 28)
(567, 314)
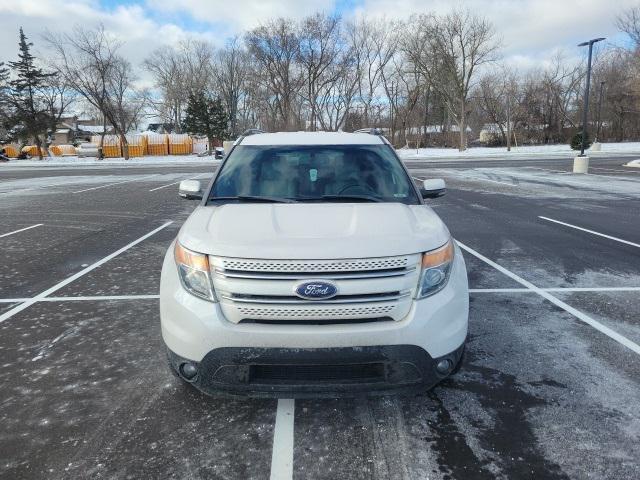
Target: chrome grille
(313, 313)
(314, 266)
(255, 289)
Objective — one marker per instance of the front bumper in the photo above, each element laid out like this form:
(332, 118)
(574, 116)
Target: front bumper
(296, 373)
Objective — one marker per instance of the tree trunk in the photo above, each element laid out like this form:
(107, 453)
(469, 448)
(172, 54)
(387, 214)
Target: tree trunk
(101, 146)
(508, 124)
(39, 146)
(461, 125)
(210, 139)
(125, 146)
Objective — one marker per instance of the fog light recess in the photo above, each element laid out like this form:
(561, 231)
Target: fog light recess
(188, 370)
(444, 366)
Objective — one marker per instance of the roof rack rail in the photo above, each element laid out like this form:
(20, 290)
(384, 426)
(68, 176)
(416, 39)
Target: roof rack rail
(370, 131)
(251, 131)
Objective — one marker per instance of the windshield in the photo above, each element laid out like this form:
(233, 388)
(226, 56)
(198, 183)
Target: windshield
(314, 173)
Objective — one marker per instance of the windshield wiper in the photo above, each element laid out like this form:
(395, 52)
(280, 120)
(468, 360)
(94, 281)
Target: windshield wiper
(351, 198)
(255, 198)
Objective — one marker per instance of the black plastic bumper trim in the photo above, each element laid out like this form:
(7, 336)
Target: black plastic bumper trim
(318, 372)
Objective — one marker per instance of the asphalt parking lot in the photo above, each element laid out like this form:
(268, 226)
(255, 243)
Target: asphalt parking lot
(550, 385)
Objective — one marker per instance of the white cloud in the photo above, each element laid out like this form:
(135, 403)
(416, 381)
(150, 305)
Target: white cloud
(132, 24)
(242, 14)
(531, 30)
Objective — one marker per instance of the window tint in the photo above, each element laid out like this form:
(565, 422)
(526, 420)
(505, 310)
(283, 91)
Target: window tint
(311, 173)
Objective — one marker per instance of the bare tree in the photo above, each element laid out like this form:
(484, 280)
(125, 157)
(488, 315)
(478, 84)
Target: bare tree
(335, 96)
(372, 49)
(449, 50)
(629, 23)
(165, 65)
(58, 98)
(319, 50)
(178, 72)
(124, 102)
(275, 47)
(231, 67)
(89, 62)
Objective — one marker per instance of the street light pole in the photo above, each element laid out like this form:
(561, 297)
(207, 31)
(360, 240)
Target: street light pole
(585, 110)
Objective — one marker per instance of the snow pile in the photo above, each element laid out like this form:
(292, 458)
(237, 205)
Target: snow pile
(633, 163)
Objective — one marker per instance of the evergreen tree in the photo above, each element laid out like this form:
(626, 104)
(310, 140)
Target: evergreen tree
(206, 116)
(29, 114)
(4, 93)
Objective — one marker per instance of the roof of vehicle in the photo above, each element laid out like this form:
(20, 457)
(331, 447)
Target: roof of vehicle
(312, 138)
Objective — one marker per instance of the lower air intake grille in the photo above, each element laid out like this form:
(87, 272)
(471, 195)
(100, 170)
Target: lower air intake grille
(350, 373)
(343, 321)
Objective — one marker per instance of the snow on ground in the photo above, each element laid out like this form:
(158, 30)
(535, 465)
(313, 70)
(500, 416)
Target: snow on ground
(151, 160)
(539, 150)
(406, 153)
(633, 163)
(536, 182)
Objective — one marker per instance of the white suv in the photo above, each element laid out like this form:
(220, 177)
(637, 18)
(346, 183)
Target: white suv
(313, 267)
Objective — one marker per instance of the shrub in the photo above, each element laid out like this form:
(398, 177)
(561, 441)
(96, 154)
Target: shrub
(576, 141)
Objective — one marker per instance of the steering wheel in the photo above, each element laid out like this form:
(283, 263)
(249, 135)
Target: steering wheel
(359, 189)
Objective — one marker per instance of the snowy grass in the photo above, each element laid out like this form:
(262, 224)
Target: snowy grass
(539, 150)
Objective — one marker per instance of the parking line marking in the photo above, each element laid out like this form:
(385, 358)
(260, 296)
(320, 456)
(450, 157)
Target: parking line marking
(622, 340)
(39, 187)
(18, 308)
(282, 454)
(546, 169)
(556, 289)
(174, 183)
(489, 180)
(98, 298)
(611, 170)
(117, 183)
(21, 230)
(591, 231)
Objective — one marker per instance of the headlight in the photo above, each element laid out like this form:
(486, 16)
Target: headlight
(193, 270)
(436, 267)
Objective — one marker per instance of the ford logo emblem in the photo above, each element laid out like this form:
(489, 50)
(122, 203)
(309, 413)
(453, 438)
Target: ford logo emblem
(316, 290)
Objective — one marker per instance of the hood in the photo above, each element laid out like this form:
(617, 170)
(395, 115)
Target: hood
(313, 231)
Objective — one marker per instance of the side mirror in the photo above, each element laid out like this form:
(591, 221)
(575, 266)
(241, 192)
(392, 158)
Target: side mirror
(190, 189)
(433, 188)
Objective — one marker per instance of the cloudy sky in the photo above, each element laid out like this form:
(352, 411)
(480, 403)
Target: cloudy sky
(531, 30)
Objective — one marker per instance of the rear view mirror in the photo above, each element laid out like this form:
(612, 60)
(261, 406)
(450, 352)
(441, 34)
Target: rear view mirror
(190, 189)
(433, 188)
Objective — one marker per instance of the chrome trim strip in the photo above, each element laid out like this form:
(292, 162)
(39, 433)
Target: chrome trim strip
(304, 276)
(275, 301)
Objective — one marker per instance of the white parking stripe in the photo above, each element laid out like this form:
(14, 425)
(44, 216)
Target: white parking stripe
(612, 170)
(282, 454)
(117, 183)
(175, 183)
(626, 242)
(39, 187)
(21, 230)
(18, 308)
(622, 340)
(98, 298)
(556, 289)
